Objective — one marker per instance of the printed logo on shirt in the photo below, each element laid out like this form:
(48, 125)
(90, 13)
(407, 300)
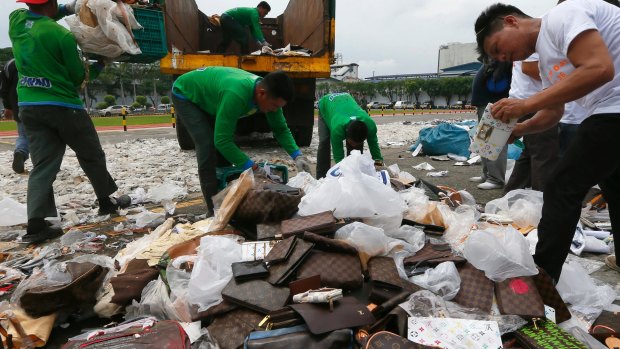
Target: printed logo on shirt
(334, 95)
(28, 81)
(556, 74)
(29, 24)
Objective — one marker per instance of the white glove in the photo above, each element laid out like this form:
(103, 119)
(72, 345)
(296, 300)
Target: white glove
(265, 43)
(302, 163)
(70, 7)
(257, 170)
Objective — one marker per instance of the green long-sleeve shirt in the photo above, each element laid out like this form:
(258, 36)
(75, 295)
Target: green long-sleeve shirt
(337, 110)
(248, 16)
(228, 94)
(49, 65)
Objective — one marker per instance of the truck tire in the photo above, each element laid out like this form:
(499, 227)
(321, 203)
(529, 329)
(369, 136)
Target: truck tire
(183, 137)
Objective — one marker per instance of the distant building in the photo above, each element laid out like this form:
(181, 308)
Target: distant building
(345, 72)
(456, 54)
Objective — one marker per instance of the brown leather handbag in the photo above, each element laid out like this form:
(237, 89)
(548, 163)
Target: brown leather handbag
(279, 273)
(432, 255)
(268, 202)
(551, 296)
(86, 278)
(299, 337)
(385, 340)
(347, 312)
(128, 286)
(230, 329)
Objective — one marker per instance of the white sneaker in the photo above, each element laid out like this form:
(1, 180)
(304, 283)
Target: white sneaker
(476, 179)
(489, 185)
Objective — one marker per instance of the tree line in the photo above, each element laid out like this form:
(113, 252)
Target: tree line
(403, 90)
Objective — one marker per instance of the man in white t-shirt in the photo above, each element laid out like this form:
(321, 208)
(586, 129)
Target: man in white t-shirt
(540, 155)
(574, 114)
(579, 59)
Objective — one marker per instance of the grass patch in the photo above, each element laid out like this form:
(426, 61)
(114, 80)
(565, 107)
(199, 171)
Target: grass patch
(132, 120)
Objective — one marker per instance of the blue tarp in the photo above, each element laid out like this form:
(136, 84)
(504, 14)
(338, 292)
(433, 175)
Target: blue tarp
(443, 139)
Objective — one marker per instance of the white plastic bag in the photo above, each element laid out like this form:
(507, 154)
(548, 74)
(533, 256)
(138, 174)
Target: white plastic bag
(213, 270)
(365, 238)
(523, 206)
(458, 224)
(578, 288)
(166, 191)
(304, 181)
(444, 280)
(355, 193)
(501, 253)
(154, 301)
(417, 202)
(414, 236)
(178, 280)
(12, 213)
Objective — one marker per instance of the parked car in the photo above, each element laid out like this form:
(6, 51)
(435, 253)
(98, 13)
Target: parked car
(164, 107)
(402, 105)
(373, 105)
(426, 105)
(114, 110)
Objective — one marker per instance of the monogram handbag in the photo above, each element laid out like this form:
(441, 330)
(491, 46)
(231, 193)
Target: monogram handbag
(519, 296)
(389, 340)
(476, 289)
(337, 270)
(346, 313)
(323, 222)
(545, 334)
(550, 295)
(279, 273)
(230, 329)
(268, 202)
(281, 251)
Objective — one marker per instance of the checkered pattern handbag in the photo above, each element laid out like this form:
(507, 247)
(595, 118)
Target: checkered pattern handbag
(551, 296)
(316, 223)
(519, 296)
(266, 203)
(476, 289)
(337, 270)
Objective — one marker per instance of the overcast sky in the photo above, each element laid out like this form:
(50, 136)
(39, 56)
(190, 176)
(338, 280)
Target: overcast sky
(384, 37)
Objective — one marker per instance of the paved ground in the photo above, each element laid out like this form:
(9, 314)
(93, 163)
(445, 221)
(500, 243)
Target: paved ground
(193, 205)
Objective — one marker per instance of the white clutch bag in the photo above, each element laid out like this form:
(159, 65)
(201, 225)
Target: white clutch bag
(491, 135)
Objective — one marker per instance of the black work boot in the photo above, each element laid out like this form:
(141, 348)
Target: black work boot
(18, 162)
(38, 231)
(111, 205)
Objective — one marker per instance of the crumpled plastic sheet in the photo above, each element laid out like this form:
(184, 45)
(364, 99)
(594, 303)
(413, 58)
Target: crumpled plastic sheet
(78, 241)
(166, 191)
(372, 240)
(443, 280)
(110, 37)
(524, 206)
(12, 212)
(303, 180)
(582, 292)
(426, 304)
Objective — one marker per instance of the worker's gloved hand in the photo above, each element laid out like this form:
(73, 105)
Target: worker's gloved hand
(379, 163)
(265, 43)
(302, 163)
(70, 7)
(257, 170)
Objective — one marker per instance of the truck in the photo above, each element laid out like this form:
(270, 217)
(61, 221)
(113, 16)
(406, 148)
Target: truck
(193, 39)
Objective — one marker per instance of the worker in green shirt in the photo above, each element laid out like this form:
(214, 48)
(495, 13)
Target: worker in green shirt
(209, 101)
(50, 73)
(342, 120)
(234, 22)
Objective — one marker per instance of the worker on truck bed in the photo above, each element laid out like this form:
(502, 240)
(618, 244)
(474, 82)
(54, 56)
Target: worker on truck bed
(50, 74)
(341, 119)
(234, 21)
(210, 100)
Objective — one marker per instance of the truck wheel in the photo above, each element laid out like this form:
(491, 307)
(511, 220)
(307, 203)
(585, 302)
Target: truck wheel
(183, 137)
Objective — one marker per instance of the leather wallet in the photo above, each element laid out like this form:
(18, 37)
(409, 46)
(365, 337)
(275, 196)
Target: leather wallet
(432, 255)
(519, 296)
(249, 270)
(267, 231)
(544, 334)
(347, 312)
(382, 271)
(328, 244)
(476, 289)
(230, 329)
(317, 223)
(281, 251)
(303, 285)
(280, 272)
(337, 270)
(258, 295)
